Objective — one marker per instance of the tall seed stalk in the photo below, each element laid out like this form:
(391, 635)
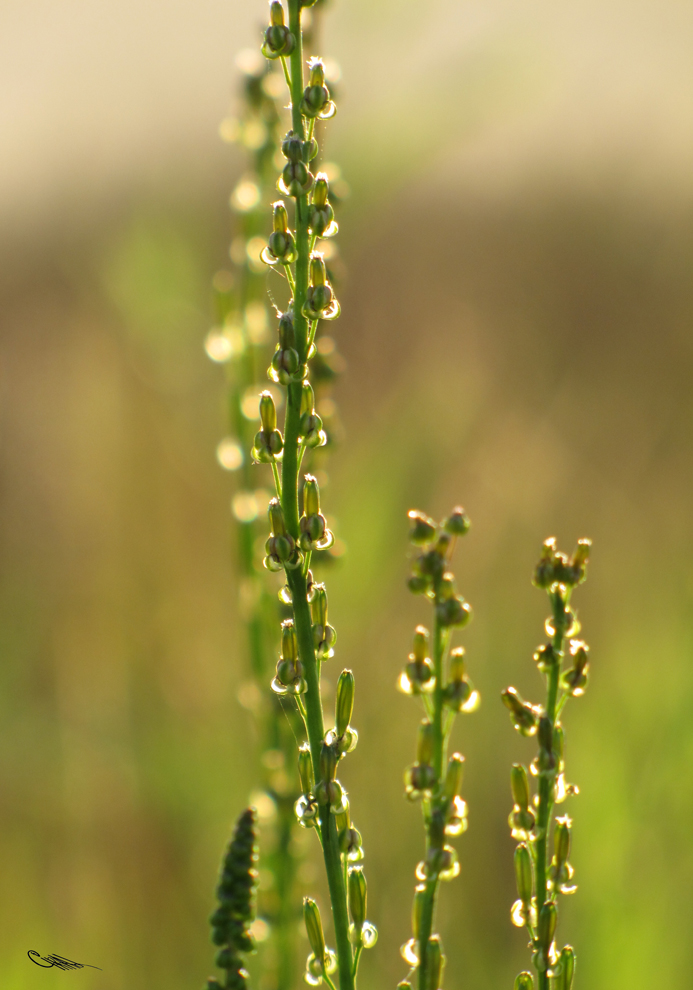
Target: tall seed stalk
(437, 675)
(542, 867)
(298, 529)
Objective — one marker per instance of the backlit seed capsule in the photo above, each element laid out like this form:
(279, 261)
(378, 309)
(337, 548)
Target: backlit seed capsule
(575, 679)
(562, 839)
(453, 776)
(457, 523)
(425, 743)
(268, 412)
(566, 965)
(305, 769)
(417, 909)
(278, 39)
(546, 930)
(292, 147)
(344, 702)
(420, 645)
(276, 517)
(289, 640)
(422, 528)
(357, 896)
(545, 657)
(523, 715)
(313, 923)
(311, 496)
(524, 981)
(519, 785)
(523, 873)
(435, 961)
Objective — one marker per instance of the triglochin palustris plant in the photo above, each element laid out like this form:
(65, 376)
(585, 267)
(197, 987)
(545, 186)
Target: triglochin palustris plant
(542, 867)
(298, 528)
(437, 675)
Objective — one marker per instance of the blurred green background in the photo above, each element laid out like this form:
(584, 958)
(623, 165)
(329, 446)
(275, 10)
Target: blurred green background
(517, 321)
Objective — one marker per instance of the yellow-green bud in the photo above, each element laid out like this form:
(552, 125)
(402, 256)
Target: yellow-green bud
(318, 273)
(289, 641)
(424, 746)
(344, 702)
(519, 784)
(524, 981)
(311, 496)
(457, 523)
(268, 412)
(523, 873)
(305, 769)
(357, 896)
(420, 647)
(313, 922)
(422, 528)
(453, 776)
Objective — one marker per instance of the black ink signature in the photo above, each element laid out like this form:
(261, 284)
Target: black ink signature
(58, 961)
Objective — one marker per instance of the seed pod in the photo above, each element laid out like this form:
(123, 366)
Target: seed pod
(305, 769)
(313, 922)
(523, 873)
(422, 528)
(564, 981)
(311, 496)
(289, 641)
(357, 896)
(546, 930)
(453, 776)
(519, 784)
(435, 961)
(457, 523)
(424, 747)
(344, 702)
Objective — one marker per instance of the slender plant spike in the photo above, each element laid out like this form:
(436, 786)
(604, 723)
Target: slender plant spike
(231, 922)
(542, 867)
(437, 675)
(298, 529)
(239, 342)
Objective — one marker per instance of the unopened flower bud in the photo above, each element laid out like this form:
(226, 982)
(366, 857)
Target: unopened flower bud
(318, 272)
(523, 715)
(524, 981)
(307, 398)
(417, 909)
(561, 840)
(320, 190)
(318, 606)
(344, 702)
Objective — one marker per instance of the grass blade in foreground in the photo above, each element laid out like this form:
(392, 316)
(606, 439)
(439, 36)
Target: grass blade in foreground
(542, 869)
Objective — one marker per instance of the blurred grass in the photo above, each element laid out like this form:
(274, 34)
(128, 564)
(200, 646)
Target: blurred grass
(534, 364)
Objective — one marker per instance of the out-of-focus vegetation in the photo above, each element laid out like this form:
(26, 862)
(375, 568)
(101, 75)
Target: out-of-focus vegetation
(534, 363)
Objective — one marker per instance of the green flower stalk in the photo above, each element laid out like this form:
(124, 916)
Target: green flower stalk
(438, 676)
(299, 532)
(542, 868)
(236, 894)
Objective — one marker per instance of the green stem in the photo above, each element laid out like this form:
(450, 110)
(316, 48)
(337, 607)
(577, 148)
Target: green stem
(441, 639)
(546, 793)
